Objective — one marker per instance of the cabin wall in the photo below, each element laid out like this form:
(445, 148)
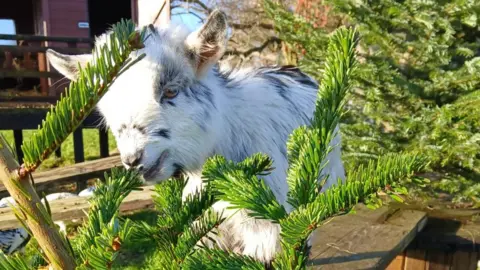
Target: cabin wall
(64, 16)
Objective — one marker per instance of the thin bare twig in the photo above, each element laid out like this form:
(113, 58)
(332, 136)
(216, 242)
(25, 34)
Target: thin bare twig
(260, 48)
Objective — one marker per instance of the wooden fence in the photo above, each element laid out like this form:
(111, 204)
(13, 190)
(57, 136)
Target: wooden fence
(19, 116)
(36, 48)
(20, 113)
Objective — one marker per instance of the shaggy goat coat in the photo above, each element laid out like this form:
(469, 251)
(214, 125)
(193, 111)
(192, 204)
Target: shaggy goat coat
(176, 107)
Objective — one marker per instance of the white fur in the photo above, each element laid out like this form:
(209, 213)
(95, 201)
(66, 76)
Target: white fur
(249, 116)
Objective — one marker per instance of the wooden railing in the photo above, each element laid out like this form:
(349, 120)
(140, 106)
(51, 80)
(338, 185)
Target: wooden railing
(20, 113)
(30, 116)
(38, 51)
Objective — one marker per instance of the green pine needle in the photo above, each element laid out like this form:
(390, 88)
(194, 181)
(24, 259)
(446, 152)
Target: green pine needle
(104, 209)
(308, 146)
(13, 262)
(239, 185)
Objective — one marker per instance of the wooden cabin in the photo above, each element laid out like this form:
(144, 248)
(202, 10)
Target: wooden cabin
(66, 25)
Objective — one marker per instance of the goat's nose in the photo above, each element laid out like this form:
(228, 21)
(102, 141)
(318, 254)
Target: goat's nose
(132, 161)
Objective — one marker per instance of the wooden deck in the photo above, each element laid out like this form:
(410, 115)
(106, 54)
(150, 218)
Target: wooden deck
(366, 239)
(73, 208)
(51, 180)
(442, 244)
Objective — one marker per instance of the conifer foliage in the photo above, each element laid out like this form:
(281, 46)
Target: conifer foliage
(185, 228)
(417, 86)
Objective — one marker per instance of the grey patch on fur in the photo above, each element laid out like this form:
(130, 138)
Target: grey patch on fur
(165, 133)
(240, 151)
(169, 76)
(202, 93)
(281, 146)
(225, 76)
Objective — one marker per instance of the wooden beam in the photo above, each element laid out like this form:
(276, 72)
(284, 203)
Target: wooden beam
(29, 74)
(46, 38)
(72, 208)
(30, 118)
(66, 50)
(366, 239)
(51, 180)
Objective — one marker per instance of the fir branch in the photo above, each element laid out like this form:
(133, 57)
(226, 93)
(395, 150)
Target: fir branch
(201, 228)
(83, 94)
(13, 262)
(102, 215)
(175, 213)
(239, 185)
(108, 242)
(309, 146)
(298, 226)
(210, 259)
(180, 223)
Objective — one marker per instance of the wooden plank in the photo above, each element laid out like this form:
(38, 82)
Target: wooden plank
(66, 50)
(46, 38)
(30, 118)
(29, 74)
(4, 100)
(473, 261)
(415, 259)
(364, 240)
(48, 180)
(397, 263)
(461, 260)
(437, 260)
(72, 208)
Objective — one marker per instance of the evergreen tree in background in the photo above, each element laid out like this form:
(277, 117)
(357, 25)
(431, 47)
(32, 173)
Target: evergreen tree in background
(417, 86)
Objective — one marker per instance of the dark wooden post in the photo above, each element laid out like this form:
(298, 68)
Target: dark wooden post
(18, 137)
(42, 66)
(103, 136)
(78, 145)
(58, 152)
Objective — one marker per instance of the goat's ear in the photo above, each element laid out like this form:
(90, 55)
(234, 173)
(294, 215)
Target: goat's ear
(67, 65)
(207, 45)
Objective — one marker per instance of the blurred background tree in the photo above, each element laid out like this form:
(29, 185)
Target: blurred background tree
(419, 80)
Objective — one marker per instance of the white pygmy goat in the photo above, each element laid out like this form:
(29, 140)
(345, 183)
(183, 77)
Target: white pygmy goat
(176, 107)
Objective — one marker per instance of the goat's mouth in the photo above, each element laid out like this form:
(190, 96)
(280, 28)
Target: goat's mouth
(158, 165)
(155, 168)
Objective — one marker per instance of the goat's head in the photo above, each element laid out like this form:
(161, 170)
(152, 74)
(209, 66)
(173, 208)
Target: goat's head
(159, 112)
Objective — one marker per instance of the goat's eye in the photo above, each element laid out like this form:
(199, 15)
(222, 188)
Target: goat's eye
(170, 93)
